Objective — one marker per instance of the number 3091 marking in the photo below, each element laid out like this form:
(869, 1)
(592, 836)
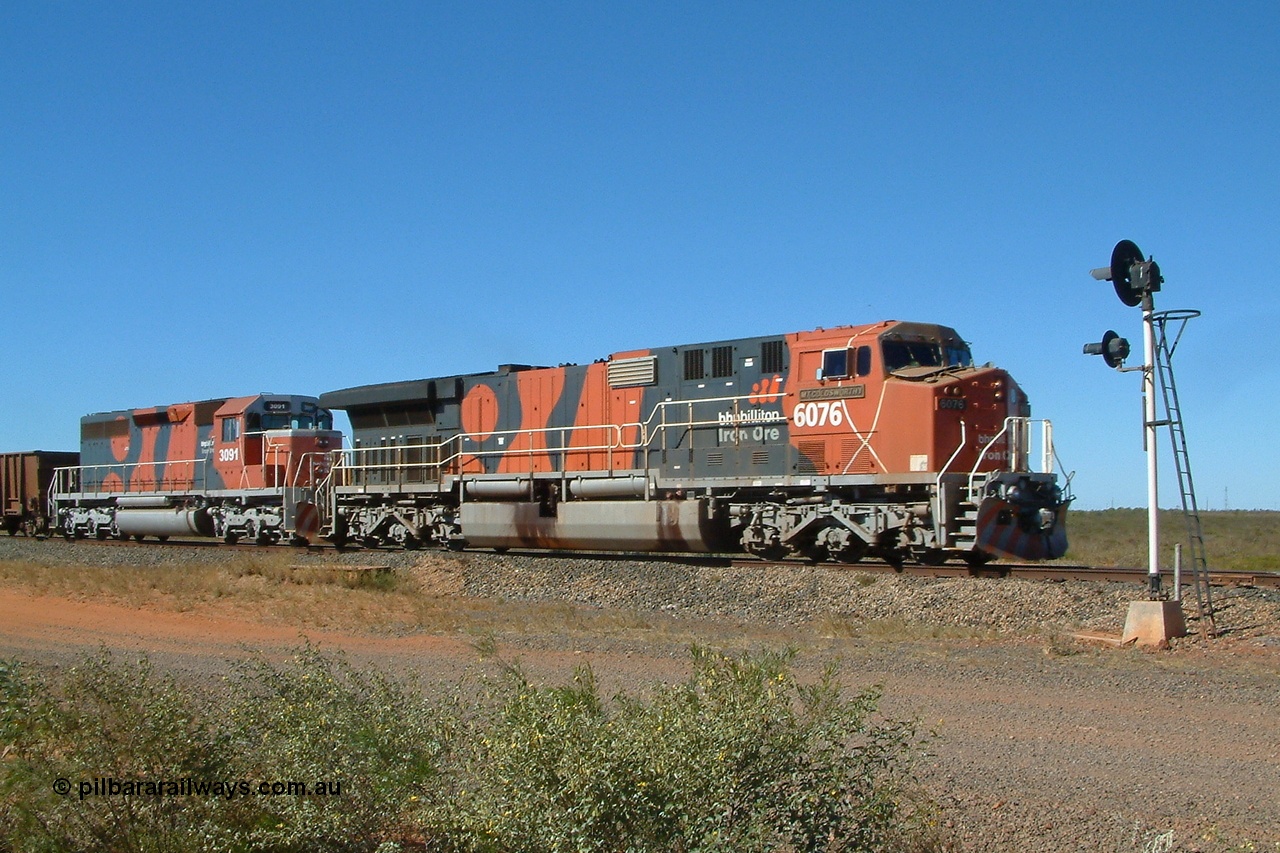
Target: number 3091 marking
(228, 454)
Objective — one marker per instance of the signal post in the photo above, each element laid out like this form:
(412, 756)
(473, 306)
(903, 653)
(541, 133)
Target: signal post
(1156, 620)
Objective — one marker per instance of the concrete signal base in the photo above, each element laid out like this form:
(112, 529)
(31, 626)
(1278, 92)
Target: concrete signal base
(1153, 623)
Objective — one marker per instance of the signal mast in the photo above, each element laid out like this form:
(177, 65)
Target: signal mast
(1136, 280)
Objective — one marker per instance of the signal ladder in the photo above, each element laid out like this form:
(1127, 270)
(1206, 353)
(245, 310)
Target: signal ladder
(1182, 461)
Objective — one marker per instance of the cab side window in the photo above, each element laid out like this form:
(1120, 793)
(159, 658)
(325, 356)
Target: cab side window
(864, 360)
(846, 363)
(230, 429)
(835, 364)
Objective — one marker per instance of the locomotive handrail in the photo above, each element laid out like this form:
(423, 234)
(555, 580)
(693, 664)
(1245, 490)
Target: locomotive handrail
(357, 460)
(1019, 442)
(70, 479)
(982, 451)
(661, 406)
(355, 464)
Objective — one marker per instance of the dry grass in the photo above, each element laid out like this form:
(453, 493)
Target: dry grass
(272, 588)
(894, 630)
(1243, 540)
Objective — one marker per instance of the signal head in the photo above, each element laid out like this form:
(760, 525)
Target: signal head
(1132, 276)
(1113, 349)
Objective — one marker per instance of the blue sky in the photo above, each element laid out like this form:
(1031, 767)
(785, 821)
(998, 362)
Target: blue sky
(200, 200)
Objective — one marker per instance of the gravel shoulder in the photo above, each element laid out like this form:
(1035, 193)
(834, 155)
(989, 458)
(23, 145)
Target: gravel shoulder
(1042, 742)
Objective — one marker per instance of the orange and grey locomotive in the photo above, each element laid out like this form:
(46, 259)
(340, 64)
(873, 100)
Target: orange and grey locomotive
(832, 444)
(243, 467)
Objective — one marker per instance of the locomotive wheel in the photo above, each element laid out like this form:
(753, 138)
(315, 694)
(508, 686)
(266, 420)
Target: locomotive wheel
(138, 537)
(977, 559)
(933, 557)
(851, 553)
(230, 538)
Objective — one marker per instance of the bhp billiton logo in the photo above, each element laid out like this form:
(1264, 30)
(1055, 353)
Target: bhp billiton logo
(765, 391)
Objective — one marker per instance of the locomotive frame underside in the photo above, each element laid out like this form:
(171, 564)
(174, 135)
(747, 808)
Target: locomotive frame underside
(264, 517)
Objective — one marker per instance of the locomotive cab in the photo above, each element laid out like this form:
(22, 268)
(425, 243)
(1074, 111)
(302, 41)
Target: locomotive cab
(265, 442)
(902, 406)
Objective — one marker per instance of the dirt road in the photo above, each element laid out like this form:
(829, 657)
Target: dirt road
(1042, 743)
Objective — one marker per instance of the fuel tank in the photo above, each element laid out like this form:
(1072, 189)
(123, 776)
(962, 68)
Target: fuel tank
(592, 525)
(164, 522)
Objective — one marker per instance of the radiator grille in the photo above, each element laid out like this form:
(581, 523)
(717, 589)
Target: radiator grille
(628, 372)
(771, 357)
(695, 364)
(813, 456)
(721, 362)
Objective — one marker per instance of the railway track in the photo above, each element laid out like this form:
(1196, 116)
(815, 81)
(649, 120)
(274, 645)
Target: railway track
(1025, 571)
(1054, 572)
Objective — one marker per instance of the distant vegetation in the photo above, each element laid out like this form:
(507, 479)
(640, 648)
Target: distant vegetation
(1244, 540)
(317, 755)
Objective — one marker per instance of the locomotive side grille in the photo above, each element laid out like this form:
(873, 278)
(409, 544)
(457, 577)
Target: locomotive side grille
(848, 447)
(771, 357)
(864, 464)
(813, 456)
(715, 457)
(721, 362)
(695, 364)
(118, 428)
(760, 457)
(629, 372)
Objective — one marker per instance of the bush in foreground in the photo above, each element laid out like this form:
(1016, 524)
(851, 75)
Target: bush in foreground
(738, 757)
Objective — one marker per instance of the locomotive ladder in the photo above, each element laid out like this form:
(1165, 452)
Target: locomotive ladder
(1182, 460)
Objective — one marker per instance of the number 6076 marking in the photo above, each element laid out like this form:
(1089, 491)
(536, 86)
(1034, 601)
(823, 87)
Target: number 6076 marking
(822, 413)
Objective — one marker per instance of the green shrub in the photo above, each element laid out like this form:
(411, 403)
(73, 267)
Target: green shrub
(739, 757)
(318, 721)
(313, 720)
(106, 721)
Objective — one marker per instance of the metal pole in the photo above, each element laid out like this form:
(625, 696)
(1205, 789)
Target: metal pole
(1149, 440)
(1177, 572)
